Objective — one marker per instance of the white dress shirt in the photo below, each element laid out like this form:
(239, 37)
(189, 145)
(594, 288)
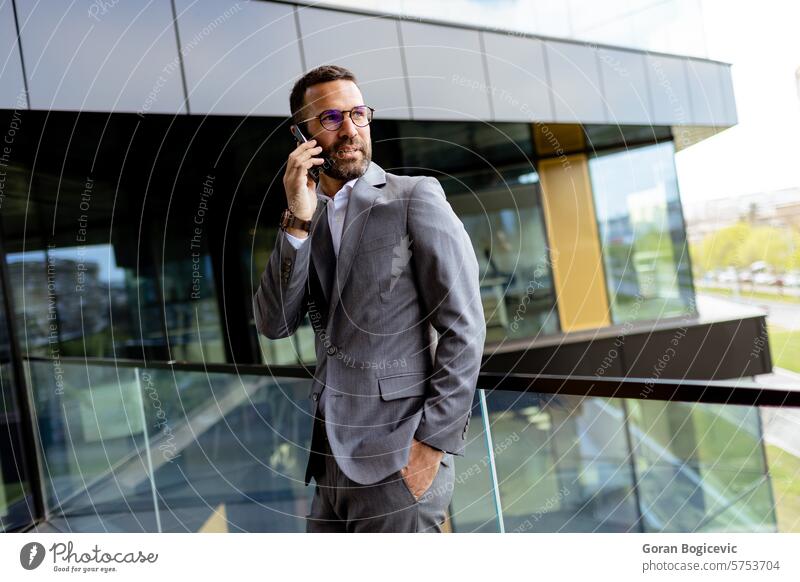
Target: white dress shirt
(337, 207)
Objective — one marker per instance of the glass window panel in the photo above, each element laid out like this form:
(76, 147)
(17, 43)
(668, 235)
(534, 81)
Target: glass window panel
(95, 263)
(507, 232)
(90, 420)
(190, 309)
(472, 508)
(585, 464)
(225, 448)
(76, 301)
(492, 185)
(92, 301)
(231, 450)
(228, 443)
(16, 502)
(28, 276)
(642, 233)
(297, 348)
(562, 463)
(701, 467)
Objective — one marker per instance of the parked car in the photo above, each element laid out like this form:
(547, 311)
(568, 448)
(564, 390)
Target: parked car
(764, 279)
(791, 280)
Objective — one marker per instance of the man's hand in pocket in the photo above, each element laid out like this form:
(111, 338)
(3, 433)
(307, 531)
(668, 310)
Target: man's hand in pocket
(423, 464)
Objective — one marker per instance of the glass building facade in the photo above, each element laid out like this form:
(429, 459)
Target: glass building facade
(106, 260)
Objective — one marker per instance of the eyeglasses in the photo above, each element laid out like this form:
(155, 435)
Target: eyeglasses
(332, 119)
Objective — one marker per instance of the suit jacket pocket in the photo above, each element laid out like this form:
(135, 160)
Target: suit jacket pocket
(403, 385)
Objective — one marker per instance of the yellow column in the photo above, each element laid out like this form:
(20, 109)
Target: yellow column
(574, 242)
(217, 522)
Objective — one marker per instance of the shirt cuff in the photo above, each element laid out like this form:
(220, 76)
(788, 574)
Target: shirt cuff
(295, 241)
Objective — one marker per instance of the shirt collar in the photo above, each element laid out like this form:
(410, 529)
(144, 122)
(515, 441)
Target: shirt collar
(343, 192)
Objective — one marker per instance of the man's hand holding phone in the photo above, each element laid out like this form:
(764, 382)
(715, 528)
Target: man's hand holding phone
(300, 187)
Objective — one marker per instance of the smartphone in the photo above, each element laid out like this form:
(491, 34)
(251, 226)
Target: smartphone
(313, 170)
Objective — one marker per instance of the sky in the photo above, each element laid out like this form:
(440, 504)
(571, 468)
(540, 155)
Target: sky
(762, 153)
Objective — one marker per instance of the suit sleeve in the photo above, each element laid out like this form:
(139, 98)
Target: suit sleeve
(442, 255)
(279, 304)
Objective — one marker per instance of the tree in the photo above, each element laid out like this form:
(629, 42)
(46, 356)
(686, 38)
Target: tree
(775, 246)
(721, 249)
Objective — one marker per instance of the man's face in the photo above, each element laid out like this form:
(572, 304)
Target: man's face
(349, 147)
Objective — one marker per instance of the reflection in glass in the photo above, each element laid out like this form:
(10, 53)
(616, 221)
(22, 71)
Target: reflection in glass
(507, 232)
(170, 450)
(561, 463)
(190, 309)
(584, 464)
(16, 503)
(89, 421)
(76, 301)
(701, 468)
(163, 450)
(472, 508)
(229, 447)
(28, 275)
(642, 232)
(491, 183)
(297, 348)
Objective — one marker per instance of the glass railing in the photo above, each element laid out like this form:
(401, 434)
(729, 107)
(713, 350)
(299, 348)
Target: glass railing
(183, 447)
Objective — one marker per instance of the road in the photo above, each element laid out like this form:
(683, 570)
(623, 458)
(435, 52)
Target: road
(780, 314)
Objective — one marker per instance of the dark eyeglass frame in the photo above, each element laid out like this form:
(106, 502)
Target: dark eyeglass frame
(342, 112)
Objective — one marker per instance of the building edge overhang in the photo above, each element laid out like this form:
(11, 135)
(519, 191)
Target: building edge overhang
(468, 26)
(710, 349)
(409, 68)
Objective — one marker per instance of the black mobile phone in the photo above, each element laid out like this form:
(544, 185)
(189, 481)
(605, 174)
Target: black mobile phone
(313, 170)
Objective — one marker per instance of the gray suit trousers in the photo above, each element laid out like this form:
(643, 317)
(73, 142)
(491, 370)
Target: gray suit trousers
(342, 505)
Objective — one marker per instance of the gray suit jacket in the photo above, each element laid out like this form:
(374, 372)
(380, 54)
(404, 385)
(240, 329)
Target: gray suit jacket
(403, 322)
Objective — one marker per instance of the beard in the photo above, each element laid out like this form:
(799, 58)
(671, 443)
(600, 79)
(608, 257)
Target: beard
(347, 169)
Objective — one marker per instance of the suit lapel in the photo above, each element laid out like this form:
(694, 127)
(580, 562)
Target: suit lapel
(362, 197)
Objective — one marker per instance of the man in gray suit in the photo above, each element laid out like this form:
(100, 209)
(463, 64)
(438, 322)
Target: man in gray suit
(387, 274)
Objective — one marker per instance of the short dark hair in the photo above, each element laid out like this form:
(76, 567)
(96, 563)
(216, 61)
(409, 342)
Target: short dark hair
(322, 74)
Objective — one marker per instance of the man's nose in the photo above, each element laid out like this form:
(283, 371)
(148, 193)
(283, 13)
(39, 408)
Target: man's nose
(348, 129)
